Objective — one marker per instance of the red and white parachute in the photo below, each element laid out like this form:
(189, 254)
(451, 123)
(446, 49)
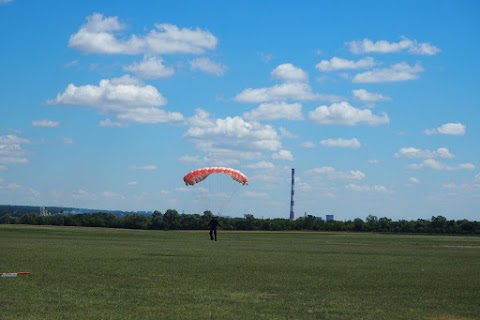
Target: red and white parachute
(201, 174)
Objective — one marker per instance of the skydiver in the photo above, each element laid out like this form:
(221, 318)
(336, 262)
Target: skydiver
(213, 227)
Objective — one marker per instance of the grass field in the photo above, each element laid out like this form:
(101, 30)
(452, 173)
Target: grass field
(95, 273)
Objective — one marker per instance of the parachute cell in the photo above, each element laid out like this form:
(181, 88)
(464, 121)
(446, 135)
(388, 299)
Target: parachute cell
(201, 174)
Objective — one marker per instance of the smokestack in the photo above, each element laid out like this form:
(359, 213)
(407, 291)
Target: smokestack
(292, 213)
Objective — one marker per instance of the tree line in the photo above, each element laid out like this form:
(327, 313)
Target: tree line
(172, 220)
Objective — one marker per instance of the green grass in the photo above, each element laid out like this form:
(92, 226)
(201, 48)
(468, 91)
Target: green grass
(94, 273)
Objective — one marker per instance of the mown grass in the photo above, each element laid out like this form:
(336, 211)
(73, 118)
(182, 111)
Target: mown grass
(95, 273)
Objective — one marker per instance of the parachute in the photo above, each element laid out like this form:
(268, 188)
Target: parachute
(201, 174)
(217, 191)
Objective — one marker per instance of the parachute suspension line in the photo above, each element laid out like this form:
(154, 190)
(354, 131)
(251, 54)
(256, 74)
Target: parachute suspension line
(221, 191)
(227, 202)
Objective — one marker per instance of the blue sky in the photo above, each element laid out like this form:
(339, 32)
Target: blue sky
(108, 104)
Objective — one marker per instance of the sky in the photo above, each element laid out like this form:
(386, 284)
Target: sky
(108, 104)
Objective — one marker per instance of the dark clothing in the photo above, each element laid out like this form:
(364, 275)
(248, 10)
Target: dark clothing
(213, 232)
(213, 229)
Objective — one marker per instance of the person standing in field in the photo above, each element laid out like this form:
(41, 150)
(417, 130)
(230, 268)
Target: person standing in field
(213, 224)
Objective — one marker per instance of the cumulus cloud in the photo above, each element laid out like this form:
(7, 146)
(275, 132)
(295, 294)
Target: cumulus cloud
(293, 86)
(99, 35)
(231, 137)
(280, 92)
(208, 66)
(343, 113)
(336, 63)
(398, 72)
(367, 188)
(261, 165)
(308, 144)
(437, 165)
(110, 123)
(150, 68)
(144, 167)
(11, 149)
(289, 73)
(283, 155)
(419, 153)
(188, 159)
(369, 97)
(383, 46)
(334, 174)
(414, 180)
(341, 143)
(124, 97)
(45, 123)
(276, 111)
(448, 129)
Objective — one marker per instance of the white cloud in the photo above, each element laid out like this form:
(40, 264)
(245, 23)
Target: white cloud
(124, 97)
(477, 177)
(150, 68)
(83, 194)
(261, 165)
(367, 188)
(188, 159)
(11, 149)
(289, 73)
(283, 155)
(437, 165)
(398, 72)
(287, 134)
(344, 64)
(231, 138)
(265, 57)
(281, 92)
(343, 113)
(68, 140)
(414, 180)
(98, 35)
(341, 143)
(383, 46)
(307, 144)
(418, 153)
(149, 167)
(208, 66)
(366, 96)
(112, 195)
(276, 111)
(332, 173)
(294, 86)
(45, 123)
(109, 123)
(448, 129)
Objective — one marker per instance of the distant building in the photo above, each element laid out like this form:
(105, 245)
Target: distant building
(44, 212)
(330, 217)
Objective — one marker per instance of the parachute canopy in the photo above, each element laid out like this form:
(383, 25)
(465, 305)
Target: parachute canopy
(201, 174)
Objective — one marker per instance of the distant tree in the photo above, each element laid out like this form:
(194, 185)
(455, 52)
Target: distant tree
(135, 221)
(439, 224)
(171, 220)
(157, 220)
(384, 225)
(371, 223)
(8, 219)
(358, 225)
